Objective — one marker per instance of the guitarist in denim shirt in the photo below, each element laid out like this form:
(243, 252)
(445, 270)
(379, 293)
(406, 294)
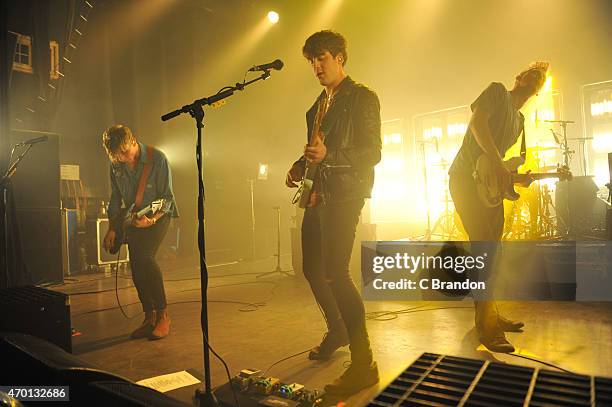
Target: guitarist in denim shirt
(344, 145)
(129, 159)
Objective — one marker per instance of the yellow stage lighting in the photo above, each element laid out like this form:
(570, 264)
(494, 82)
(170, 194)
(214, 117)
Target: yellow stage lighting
(263, 172)
(273, 17)
(602, 142)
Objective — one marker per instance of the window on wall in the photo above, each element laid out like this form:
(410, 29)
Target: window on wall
(22, 61)
(54, 52)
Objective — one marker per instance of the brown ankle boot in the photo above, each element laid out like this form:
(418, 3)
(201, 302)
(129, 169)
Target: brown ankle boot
(162, 327)
(146, 327)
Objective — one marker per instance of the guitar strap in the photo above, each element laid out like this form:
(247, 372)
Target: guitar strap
(523, 144)
(143, 179)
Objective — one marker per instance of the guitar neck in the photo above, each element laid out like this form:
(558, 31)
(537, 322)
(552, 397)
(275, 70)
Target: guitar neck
(535, 177)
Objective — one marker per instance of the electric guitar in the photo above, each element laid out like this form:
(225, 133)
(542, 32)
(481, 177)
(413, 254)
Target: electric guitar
(492, 194)
(123, 221)
(303, 195)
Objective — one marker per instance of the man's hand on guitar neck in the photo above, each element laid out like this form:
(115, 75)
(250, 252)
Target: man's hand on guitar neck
(316, 151)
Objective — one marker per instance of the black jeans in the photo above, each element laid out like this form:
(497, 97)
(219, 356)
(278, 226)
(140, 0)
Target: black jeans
(143, 244)
(328, 233)
(481, 224)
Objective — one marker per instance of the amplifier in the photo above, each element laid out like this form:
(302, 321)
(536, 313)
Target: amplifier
(38, 312)
(96, 253)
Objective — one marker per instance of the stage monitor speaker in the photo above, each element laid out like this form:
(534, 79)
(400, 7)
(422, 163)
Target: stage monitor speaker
(439, 380)
(120, 393)
(27, 360)
(37, 311)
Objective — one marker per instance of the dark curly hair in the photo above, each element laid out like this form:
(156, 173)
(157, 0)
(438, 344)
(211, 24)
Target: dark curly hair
(325, 40)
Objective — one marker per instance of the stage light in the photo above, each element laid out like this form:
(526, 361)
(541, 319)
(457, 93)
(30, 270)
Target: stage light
(263, 172)
(432, 132)
(273, 17)
(601, 171)
(394, 138)
(547, 87)
(601, 108)
(393, 164)
(456, 129)
(602, 142)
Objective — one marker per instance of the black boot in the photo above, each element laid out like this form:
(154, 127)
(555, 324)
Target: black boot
(508, 325)
(495, 341)
(357, 377)
(332, 341)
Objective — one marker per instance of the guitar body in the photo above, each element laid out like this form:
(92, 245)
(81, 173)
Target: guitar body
(307, 186)
(492, 194)
(119, 226)
(123, 221)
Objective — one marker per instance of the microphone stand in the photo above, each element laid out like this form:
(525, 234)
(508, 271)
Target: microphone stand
(564, 147)
(5, 186)
(195, 110)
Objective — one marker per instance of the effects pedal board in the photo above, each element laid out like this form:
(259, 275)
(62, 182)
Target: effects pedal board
(255, 390)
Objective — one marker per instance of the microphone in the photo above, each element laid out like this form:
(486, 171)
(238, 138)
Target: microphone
(277, 65)
(33, 141)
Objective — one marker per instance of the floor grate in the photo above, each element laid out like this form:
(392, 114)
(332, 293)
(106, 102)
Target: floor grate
(438, 380)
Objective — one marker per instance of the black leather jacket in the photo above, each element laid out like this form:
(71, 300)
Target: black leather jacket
(352, 136)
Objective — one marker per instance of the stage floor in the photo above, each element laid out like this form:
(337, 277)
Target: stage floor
(256, 322)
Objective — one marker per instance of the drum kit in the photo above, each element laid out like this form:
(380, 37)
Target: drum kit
(534, 216)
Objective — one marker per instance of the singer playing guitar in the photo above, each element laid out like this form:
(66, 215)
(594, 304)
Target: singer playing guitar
(494, 127)
(344, 146)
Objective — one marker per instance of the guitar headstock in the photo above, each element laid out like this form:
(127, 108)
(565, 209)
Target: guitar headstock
(157, 205)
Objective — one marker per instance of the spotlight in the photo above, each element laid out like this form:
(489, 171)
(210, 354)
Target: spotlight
(263, 172)
(273, 17)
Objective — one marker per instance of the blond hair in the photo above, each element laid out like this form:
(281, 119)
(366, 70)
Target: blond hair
(116, 139)
(539, 67)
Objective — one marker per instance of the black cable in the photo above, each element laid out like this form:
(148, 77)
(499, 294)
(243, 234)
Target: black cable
(117, 289)
(229, 377)
(101, 291)
(232, 284)
(197, 278)
(282, 360)
(191, 289)
(542, 362)
(376, 315)
(256, 305)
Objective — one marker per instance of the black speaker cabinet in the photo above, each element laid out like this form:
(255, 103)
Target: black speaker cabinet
(575, 203)
(36, 191)
(38, 312)
(41, 242)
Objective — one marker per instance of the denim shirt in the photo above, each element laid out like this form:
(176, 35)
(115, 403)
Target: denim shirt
(124, 184)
